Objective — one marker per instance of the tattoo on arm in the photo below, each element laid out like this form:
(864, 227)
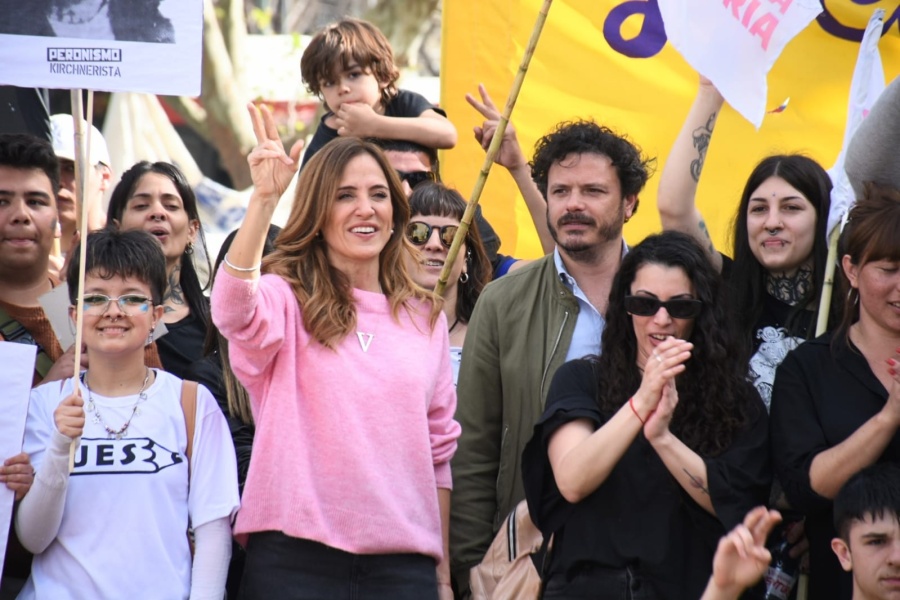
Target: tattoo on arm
(705, 232)
(701, 143)
(174, 294)
(696, 482)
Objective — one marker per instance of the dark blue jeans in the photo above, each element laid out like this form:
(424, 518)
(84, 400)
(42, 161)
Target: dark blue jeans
(279, 566)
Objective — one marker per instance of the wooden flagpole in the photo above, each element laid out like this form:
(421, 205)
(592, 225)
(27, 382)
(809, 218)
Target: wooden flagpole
(493, 148)
(82, 174)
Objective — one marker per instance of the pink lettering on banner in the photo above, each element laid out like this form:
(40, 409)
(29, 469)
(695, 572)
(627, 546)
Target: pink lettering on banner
(760, 24)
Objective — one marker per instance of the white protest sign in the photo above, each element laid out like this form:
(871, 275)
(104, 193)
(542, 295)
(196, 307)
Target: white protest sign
(865, 88)
(735, 42)
(151, 46)
(15, 381)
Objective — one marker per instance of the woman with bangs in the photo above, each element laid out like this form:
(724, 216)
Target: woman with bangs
(157, 198)
(836, 401)
(646, 455)
(345, 361)
(436, 214)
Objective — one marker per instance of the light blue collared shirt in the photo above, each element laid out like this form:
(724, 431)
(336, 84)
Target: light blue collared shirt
(590, 323)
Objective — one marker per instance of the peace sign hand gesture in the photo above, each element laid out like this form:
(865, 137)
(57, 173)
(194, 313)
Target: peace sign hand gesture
(271, 168)
(510, 154)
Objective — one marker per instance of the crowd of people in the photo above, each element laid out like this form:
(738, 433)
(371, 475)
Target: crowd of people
(657, 408)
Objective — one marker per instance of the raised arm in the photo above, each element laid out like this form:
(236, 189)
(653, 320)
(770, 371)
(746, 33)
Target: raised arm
(676, 197)
(513, 160)
(271, 169)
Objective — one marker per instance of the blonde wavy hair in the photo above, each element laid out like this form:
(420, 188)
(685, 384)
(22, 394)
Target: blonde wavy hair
(301, 259)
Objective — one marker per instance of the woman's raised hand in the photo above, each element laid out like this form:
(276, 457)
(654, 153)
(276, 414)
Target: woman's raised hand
(69, 416)
(661, 367)
(271, 168)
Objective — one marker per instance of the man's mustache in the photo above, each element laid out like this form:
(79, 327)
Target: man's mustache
(579, 218)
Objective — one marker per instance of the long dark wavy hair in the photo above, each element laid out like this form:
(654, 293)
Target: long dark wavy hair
(436, 199)
(188, 278)
(715, 399)
(747, 290)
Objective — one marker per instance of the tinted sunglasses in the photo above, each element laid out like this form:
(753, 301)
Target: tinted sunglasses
(647, 306)
(414, 178)
(419, 233)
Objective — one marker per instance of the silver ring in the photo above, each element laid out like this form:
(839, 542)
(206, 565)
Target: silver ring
(658, 357)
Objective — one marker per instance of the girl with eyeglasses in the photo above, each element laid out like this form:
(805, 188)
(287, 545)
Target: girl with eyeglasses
(117, 526)
(646, 455)
(436, 213)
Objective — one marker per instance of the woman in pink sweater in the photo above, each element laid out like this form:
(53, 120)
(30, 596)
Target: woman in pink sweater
(346, 363)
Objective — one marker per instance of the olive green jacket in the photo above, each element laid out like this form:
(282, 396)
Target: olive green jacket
(517, 338)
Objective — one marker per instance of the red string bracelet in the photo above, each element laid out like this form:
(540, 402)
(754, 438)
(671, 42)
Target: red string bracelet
(634, 410)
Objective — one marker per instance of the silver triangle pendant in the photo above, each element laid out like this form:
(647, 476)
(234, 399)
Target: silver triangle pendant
(365, 340)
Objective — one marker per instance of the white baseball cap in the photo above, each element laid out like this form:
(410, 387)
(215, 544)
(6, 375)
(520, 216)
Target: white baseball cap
(63, 127)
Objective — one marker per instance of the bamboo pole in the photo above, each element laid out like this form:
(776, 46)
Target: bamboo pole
(493, 149)
(828, 283)
(82, 174)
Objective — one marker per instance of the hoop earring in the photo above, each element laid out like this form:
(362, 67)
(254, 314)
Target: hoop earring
(190, 248)
(853, 296)
(464, 278)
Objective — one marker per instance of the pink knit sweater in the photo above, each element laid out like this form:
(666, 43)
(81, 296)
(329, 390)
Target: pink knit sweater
(351, 445)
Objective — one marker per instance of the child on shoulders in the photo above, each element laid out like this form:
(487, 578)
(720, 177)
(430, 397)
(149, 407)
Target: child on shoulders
(350, 65)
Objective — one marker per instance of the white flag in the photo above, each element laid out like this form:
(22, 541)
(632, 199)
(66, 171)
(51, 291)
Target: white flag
(866, 86)
(735, 42)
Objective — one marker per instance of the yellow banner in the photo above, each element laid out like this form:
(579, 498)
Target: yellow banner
(608, 60)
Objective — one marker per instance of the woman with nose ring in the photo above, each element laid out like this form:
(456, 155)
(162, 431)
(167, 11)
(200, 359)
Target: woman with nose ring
(777, 270)
(156, 198)
(646, 455)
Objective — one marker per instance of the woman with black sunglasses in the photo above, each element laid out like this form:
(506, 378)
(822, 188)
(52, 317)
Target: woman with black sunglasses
(436, 213)
(646, 455)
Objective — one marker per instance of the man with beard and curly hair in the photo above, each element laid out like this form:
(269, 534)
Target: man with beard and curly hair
(530, 322)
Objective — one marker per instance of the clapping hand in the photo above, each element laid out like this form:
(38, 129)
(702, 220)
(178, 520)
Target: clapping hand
(657, 392)
(271, 168)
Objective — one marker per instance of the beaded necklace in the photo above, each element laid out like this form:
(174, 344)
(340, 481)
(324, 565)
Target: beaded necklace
(98, 418)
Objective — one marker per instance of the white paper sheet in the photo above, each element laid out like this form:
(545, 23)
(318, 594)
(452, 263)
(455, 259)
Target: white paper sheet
(15, 383)
(115, 47)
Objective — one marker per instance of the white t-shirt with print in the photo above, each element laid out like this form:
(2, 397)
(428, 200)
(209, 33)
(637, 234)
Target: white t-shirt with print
(123, 531)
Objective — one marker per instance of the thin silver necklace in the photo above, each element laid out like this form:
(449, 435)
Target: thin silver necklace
(98, 418)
